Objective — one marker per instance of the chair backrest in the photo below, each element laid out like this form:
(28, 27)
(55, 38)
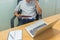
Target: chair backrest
(18, 1)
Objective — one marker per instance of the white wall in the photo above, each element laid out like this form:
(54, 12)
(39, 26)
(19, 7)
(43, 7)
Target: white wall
(57, 6)
(49, 7)
(6, 12)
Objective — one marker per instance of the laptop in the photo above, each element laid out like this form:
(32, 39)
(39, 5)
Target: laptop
(38, 27)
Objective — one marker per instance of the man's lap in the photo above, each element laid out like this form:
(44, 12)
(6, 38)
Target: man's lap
(24, 21)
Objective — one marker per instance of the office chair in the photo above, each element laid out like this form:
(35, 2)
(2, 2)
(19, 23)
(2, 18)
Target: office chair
(13, 18)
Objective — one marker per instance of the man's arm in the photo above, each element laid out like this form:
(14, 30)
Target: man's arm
(17, 9)
(16, 14)
(39, 10)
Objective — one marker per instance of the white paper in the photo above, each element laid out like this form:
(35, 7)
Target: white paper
(15, 35)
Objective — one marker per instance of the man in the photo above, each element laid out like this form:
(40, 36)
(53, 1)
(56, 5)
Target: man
(28, 13)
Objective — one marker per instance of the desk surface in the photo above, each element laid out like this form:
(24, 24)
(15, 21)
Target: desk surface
(50, 34)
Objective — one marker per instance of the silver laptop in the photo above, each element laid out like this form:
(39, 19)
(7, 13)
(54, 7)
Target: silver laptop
(38, 27)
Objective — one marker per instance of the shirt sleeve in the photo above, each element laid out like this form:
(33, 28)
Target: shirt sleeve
(18, 7)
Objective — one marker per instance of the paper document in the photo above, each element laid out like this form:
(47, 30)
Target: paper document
(15, 35)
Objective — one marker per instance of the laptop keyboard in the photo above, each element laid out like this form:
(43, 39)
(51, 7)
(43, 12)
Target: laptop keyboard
(35, 29)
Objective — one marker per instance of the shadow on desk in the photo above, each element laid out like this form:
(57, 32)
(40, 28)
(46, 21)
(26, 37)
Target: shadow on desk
(46, 35)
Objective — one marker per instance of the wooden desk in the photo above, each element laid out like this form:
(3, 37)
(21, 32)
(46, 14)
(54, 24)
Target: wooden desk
(50, 34)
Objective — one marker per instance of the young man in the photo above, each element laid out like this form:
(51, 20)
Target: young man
(28, 13)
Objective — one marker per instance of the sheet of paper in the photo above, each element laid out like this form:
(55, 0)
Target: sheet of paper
(15, 35)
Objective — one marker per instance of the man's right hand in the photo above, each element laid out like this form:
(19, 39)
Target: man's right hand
(21, 16)
(16, 14)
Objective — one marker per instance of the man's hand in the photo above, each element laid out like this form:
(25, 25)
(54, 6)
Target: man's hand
(35, 1)
(21, 16)
(38, 7)
(16, 14)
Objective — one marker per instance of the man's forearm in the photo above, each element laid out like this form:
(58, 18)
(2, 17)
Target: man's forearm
(38, 7)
